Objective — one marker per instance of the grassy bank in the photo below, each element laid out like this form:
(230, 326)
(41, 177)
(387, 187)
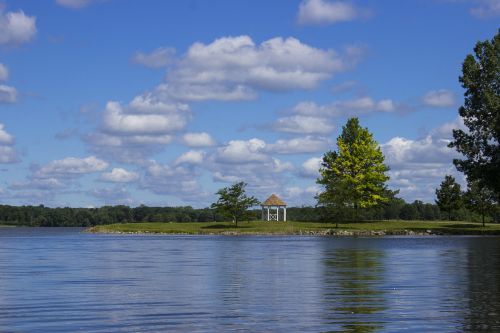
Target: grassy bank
(300, 228)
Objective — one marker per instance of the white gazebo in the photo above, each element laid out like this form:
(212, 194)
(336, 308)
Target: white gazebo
(272, 203)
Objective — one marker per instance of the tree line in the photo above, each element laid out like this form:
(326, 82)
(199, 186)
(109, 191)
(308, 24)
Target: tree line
(41, 216)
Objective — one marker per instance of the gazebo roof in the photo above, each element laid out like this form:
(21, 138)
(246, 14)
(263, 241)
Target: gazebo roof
(273, 200)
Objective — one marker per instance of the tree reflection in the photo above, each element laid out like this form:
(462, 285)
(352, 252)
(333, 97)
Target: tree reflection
(483, 289)
(354, 295)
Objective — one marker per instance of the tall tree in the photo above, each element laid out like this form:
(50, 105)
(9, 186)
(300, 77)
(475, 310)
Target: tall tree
(233, 202)
(449, 195)
(480, 199)
(481, 114)
(354, 176)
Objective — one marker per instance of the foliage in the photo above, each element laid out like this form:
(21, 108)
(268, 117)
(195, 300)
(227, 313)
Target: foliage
(480, 199)
(233, 201)
(448, 195)
(481, 114)
(354, 176)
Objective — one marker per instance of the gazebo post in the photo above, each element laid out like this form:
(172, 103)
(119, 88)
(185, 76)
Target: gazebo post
(268, 213)
(284, 214)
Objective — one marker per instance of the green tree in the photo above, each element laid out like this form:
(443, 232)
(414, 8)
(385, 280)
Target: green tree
(233, 202)
(480, 199)
(354, 176)
(448, 195)
(481, 114)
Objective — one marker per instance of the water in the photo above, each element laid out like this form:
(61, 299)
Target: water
(61, 280)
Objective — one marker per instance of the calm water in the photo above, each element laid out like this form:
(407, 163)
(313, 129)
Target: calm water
(61, 280)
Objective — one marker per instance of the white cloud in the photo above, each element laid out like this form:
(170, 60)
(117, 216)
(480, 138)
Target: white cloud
(240, 151)
(132, 133)
(160, 57)
(5, 138)
(353, 107)
(8, 155)
(303, 125)
(112, 196)
(179, 181)
(4, 72)
(310, 168)
(47, 184)
(117, 120)
(328, 12)
(119, 175)
(191, 157)
(16, 27)
(7, 152)
(7, 94)
(74, 4)
(302, 145)
(198, 140)
(70, 167)
(233, 68)
(486, 9)
(418, 166)
(439, 98)
(311, 118)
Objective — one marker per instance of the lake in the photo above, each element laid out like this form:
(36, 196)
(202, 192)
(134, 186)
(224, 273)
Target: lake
(62, 280)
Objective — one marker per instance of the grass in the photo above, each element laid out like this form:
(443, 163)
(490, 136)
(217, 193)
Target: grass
(294, 228)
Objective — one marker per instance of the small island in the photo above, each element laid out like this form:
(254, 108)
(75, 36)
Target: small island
(360, 229)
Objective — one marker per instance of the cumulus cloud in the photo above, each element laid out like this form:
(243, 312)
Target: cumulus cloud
(7, 152)
(119, 121)
(311, 118)
(235, 68)
(439, 98)
(329, 12)
(178, 180)
(241, 151)
(70, 167)
(158, 58)
(4, 72)
(198, 140)
(119, 175)
(112, 195)
(16, 27)
(301, 145)
(418, 166)
(299, 124)
(310, 168)
(295, 195)
(191, 157)
(133, 132)
(8, 94)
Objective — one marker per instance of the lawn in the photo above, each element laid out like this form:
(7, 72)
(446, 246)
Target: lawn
(297, 228)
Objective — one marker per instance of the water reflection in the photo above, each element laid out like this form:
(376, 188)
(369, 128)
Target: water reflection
(483, 289)
(354, 295)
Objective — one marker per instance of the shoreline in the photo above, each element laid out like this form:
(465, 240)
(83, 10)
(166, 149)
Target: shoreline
(316, 233)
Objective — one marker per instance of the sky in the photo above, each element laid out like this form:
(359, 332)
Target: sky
(162, 103)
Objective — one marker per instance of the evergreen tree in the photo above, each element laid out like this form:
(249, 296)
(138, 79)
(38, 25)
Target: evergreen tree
(354, 176)
(448, 195)
(481, 114)
(233, 202)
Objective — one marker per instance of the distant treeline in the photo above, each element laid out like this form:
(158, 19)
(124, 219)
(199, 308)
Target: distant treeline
(85, 217)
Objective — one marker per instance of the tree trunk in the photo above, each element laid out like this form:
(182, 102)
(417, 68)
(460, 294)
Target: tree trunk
(449, 215)
(482, 216)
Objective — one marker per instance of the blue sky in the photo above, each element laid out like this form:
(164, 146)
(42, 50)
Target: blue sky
(164, 102)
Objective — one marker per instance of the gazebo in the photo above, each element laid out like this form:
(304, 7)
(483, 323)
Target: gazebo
(271, 203)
